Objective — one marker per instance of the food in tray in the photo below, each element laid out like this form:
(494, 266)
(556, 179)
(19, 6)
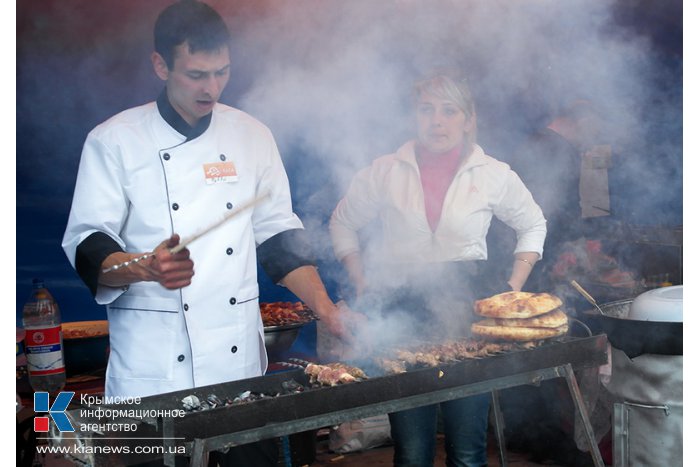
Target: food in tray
(285, 313)
(517, 305)
(520, 317)
(332, 374)
(83, 329)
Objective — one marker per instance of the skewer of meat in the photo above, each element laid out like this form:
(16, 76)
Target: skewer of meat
(353, 370)
(390, 366)
(333, 374)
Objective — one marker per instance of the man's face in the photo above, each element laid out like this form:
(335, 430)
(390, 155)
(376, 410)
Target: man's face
(196, 80)
(442, 125)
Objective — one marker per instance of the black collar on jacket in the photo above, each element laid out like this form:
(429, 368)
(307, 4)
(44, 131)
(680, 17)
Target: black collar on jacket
(170, 115)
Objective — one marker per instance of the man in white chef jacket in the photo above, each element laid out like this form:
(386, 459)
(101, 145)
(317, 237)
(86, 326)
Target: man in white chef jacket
(154, 175)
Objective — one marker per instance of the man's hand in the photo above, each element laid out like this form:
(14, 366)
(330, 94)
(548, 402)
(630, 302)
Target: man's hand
(172, 271)
(343, 322)
(342, 334)
(306, 284)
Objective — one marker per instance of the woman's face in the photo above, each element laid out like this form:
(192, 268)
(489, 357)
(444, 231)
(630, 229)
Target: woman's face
(442, 125)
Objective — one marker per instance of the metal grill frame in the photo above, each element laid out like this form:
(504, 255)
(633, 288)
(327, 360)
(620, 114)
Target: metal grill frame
(220, 428)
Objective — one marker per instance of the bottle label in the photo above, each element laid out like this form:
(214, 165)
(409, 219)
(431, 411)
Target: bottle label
(43, 349)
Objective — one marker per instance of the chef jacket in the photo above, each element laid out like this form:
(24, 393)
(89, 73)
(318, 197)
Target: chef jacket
(391, 189)
(139, 181)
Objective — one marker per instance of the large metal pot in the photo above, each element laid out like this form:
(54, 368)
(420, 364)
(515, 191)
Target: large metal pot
(636, 337)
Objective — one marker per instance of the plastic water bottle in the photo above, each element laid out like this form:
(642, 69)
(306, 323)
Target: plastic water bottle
(43, 341)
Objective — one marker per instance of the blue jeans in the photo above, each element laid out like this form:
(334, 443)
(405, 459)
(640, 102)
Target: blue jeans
(465, 423)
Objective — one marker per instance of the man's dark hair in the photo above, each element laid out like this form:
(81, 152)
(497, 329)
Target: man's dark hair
(189, 21)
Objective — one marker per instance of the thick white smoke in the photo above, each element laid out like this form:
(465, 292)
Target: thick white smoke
(333, 79)
(335, 76)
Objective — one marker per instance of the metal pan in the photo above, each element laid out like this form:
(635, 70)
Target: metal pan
(636, 337)
(279, 339)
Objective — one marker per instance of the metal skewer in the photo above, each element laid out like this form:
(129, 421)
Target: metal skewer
(127, 263)
(183, 244)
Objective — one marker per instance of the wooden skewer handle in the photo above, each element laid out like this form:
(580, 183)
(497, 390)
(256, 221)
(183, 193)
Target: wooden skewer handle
(583, 292)
(182, 245)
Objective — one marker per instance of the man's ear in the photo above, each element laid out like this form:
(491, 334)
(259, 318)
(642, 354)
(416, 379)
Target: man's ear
(159, 66)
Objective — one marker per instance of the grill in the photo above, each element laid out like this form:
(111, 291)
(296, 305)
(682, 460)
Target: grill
(198, 432)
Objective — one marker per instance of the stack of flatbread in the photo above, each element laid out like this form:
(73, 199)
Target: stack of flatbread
(520, 316)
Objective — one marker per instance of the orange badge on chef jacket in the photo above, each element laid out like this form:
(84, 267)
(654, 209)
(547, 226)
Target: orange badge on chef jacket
(220, 172)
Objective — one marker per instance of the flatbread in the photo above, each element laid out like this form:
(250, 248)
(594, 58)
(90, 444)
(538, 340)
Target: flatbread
(517, 305)
(488, 329)
(553, 319)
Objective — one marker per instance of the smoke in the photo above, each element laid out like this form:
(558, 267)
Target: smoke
(333, 81)
(334, 78)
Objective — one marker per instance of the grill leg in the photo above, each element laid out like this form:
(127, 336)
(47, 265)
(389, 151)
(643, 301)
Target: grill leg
(286, 451)
(583, 414)
(620, 435)
(199, 455)
(498, 427)
(168, 428)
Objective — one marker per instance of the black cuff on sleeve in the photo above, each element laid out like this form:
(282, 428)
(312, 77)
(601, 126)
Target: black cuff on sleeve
(89, 256)
(281, 254)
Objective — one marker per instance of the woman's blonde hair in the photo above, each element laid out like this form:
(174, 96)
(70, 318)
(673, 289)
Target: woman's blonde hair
(447, 85)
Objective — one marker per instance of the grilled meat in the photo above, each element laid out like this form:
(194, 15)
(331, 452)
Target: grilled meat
(389, 366)
(399, 360)
(353, 370)
(333, 374)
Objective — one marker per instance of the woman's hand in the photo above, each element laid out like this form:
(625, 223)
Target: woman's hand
(353, 266)
(523, 263)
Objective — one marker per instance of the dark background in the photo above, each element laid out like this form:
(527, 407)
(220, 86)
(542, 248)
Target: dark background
(82, 61)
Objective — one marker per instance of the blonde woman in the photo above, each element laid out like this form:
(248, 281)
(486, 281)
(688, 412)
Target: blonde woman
(435, 198)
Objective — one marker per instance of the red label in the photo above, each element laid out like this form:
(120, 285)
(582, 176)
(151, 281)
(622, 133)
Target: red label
(40, 337)
(43, 349)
